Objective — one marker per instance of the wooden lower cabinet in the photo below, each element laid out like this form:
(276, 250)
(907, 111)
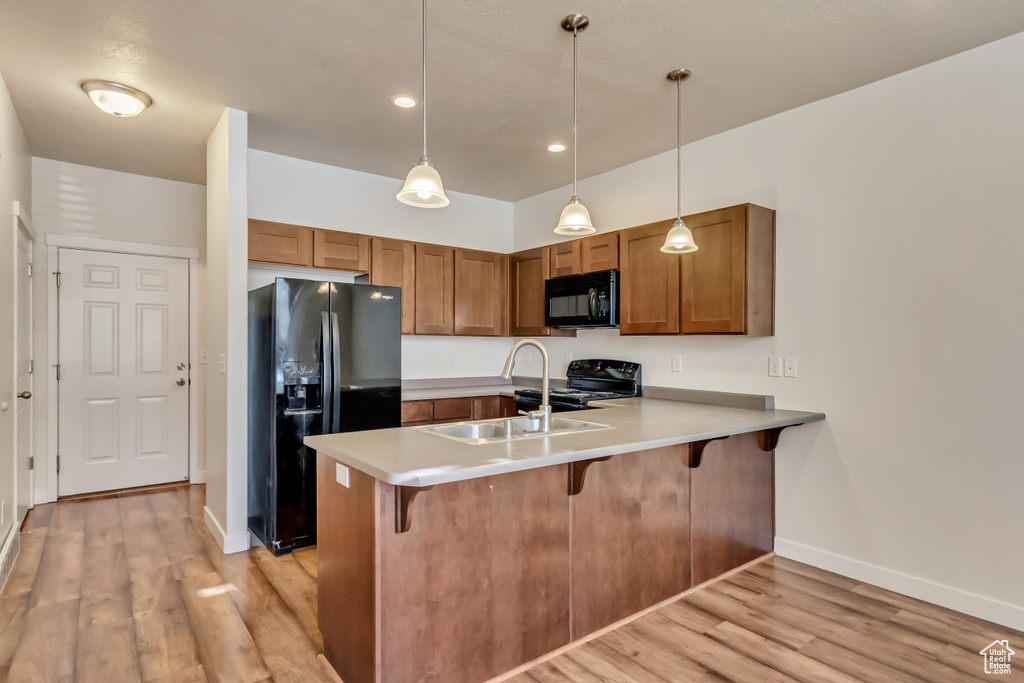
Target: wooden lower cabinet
(457, 409)
(496, 571)
(453, 409)
(417, 412)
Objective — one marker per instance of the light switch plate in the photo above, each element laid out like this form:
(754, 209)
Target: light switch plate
(790, 367)
(202, 356)
(341, 474)
(222, 364)
(774, 366)
(677, 363)
(451, 358)
(568, 358)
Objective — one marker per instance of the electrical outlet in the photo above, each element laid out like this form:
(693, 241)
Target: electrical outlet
(568, 358)
(774, 366)
(677, 363)
(529, 357)
(790, 369)
(202, 356)
(222, 364)
(451, 358)
(341, 474)
(3, 513)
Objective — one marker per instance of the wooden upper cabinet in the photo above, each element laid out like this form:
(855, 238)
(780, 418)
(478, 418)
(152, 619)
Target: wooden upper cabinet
(728, 283)
(527, 272)
(341, 251)
(649, 289)
(393, 264)
(481, 293)
(435, 289)
(565, 259)
(289, 245)
(600, 252)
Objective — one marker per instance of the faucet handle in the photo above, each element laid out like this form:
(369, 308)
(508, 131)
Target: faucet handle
(523, 412)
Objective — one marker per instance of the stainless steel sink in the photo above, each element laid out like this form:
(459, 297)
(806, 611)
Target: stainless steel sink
(507, 429)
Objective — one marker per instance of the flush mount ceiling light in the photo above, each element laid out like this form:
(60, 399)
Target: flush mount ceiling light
(557, 147)
(679, 239)
(575, 219)
(117, 99)
(423, 187)
(404, 101)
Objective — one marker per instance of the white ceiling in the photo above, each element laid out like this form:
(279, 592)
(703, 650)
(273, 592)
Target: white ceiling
(317, 76)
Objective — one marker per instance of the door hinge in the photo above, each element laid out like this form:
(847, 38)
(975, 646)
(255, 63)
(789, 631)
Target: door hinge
(31, 269)
(31, 366)
(58, 278)
(58, 464)
(58, 371)
(31, 462)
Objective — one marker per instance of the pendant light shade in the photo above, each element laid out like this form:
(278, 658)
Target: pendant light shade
(423, 187)
(679, 239)
(575, 219)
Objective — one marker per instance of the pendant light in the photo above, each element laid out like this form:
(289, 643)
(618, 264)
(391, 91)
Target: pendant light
(575, 219)
(679, 239)
(423, 186)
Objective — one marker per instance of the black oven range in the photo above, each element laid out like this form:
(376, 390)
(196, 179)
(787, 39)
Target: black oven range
(587, 380)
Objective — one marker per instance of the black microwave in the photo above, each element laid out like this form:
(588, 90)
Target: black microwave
(582, 301)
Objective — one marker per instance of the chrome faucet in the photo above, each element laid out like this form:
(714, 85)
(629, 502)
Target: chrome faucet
(544, 413)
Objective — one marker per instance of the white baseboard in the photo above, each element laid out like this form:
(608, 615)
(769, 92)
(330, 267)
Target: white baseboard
(953, 598)
(198, 478)
(229, 544)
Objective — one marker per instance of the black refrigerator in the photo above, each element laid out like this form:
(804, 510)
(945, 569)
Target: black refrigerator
(324, 358)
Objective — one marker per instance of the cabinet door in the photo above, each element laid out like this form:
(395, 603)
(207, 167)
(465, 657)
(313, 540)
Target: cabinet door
(649, 291)
(435, 289)
(341, 251)
(527, 272)
(290, 245)
(417, 412)
(714, 282)
(600, 252)
(481, 293)
(453, 409)
(486, 407)
(393, 264)
(566, 259)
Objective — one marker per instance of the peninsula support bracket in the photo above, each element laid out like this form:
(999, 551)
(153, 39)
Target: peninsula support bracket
(696, 451)
(404, 495)
(578, 472)
(768, 439)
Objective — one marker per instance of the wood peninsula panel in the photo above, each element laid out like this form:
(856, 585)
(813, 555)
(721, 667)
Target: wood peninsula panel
(631, 536)
(732, 519)
(481, 293)
(600, 252)
(393, 264)
(435, 289)
(566, 258)
(480, 582)
(649, 291)
(527, 272)
(341, 251)
(348, 590)
(728, 283)
(281, 243)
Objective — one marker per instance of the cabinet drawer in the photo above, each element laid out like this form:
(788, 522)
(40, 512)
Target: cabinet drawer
(453, 409)
(417, 411)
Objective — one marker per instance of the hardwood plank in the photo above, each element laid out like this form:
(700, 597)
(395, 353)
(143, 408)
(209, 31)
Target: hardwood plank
(855, 664)
(766, 625)
(106, 594)
(667, 662)
(166, 646)
(781, 578)
(68, 517)
(226, 650)
(193, 675)
(306, 557)
(60, 569)
(26, 567)
(821, 575)
(12, 626)
(46, 653)
(167, 506)
(184, 548)
(611, 665)
(153, 590)
(296, 588)
(39, 517)
(106, 652)
(102, 523)
(779, 657)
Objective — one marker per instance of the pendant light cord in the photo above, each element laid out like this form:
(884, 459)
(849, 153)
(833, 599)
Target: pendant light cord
(679, 153)
(574, 34)
(424, 79)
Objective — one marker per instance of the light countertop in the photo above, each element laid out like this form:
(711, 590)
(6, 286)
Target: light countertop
(410, 456)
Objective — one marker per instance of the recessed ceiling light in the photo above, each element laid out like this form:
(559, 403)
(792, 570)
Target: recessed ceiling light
(404, 101)
(557, 147)
(117, 99)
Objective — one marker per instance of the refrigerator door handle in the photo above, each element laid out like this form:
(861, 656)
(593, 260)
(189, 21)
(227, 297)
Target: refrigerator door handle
(328, 383)
(337, 368)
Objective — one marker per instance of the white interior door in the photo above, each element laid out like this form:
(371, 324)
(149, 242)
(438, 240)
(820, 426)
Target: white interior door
(123, 355)
(23, 372)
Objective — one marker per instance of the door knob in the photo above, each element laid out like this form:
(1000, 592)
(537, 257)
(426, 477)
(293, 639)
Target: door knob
(25, 394)
(181, 382)
(181, 366)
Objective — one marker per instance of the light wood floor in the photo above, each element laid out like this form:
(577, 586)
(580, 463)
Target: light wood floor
(134, 588)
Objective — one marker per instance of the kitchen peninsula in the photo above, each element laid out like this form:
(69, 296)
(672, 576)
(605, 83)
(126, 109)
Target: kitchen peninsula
(452, 561)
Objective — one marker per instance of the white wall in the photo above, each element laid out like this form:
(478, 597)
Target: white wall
(83, 201)
(289, 190)
(226, 331)
(898, 288)
(15, 185)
